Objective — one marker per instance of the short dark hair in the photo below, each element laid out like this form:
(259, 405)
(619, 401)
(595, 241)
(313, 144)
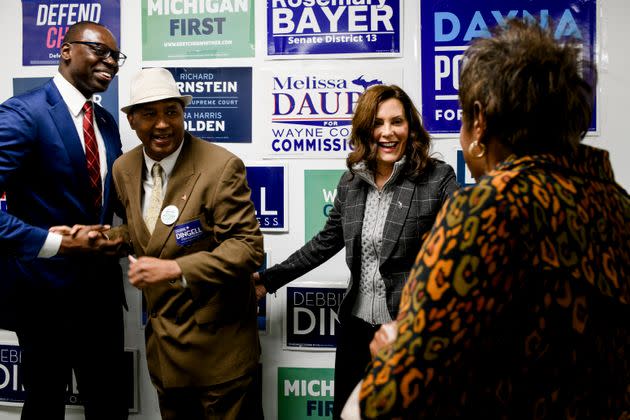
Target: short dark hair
(534, 96)
(418, 143)
(76, 29)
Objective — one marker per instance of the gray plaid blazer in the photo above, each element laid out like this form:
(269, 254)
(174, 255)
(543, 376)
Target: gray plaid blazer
(414, 206)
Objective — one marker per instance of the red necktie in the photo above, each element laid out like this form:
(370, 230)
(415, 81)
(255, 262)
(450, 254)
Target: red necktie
(91, 156)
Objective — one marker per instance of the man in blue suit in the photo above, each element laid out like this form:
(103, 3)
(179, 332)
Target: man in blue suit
(62, 294)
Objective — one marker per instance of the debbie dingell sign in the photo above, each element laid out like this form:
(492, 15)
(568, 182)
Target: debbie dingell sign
(357, 28)
(312, 317)
(311, 113)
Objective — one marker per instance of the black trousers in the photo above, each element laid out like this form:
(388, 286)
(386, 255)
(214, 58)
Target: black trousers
(65, 329)
(352, 357)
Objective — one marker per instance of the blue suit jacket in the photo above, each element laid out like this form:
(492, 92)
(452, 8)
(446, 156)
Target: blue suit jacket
(44, 173)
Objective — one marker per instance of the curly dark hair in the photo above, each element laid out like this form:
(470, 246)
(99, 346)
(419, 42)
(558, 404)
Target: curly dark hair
(535, 93)
(418, 143)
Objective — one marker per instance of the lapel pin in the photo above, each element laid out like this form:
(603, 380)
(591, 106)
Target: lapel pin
(169, 215)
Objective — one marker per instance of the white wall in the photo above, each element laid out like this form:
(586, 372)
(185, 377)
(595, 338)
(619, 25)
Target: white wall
(614, 93)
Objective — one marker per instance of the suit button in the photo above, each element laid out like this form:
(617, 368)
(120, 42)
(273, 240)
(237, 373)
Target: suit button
(153, 314)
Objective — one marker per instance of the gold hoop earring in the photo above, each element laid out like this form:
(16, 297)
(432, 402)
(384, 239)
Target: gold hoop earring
(482, 149)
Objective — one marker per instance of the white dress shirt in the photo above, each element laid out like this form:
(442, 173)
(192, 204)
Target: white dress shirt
(167, 164)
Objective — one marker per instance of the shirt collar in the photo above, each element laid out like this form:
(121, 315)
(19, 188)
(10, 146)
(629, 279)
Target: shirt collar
(70, 94)
(361, 169)
(167, 164)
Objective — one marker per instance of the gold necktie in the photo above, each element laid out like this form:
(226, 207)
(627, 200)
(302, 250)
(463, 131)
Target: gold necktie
(155, 201)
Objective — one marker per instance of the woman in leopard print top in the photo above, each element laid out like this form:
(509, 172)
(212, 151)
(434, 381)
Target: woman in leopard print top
(518, 303)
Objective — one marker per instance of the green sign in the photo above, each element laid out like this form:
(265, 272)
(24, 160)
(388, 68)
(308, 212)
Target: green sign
(320, 190)
(305, 393)
(173, 30)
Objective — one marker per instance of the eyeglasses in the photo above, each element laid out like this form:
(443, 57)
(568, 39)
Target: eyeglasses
(103, 51)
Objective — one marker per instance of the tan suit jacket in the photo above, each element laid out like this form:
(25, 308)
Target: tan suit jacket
(205, 333)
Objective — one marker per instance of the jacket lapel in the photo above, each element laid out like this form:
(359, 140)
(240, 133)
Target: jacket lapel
(133, 178)
(180, 185)
(112, 151)
(396, 215)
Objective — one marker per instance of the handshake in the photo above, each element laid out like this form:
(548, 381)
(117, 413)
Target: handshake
(90, 239)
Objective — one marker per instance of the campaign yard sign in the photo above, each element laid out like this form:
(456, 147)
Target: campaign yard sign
(355, 28)
(262, 315)
(45, 23)
(305, 393)
(448, 26)
(268, 183)
(12, 391)
(194, 29)
(320, 190)
(464, 177)
(311, 111)
(312, 317)
(221, 108)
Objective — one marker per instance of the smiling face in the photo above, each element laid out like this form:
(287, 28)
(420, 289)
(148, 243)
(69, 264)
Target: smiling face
(391, 130)
(80, 65)
(159, 126)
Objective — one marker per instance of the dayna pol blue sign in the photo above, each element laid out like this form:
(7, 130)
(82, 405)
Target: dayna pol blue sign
(448, 26)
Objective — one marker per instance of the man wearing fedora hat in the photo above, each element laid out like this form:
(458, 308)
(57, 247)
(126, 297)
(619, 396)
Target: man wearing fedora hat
(193, 229)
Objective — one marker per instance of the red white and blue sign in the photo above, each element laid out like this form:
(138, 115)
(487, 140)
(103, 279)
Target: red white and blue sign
(268, 183)
(313, 27)
(311, 112)
(45, 23)
(312, 317)
(221, 108)
(448, 26)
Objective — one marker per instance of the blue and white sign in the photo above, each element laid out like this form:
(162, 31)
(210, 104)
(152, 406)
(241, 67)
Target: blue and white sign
(448, 26)
(358, 28)
(464, 177)
(262, 315)
(45, 23)
(12, 391)
(311, 112)
(188, 233)
(107, 99)
(221, 109)
(312, 317)
(269, 185)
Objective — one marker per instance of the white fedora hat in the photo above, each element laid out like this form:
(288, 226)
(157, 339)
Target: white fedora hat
(155, 84)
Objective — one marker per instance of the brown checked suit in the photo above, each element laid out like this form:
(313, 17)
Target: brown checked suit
(202, 333)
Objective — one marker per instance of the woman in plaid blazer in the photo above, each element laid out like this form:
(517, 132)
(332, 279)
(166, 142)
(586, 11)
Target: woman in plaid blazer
(386, 202)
